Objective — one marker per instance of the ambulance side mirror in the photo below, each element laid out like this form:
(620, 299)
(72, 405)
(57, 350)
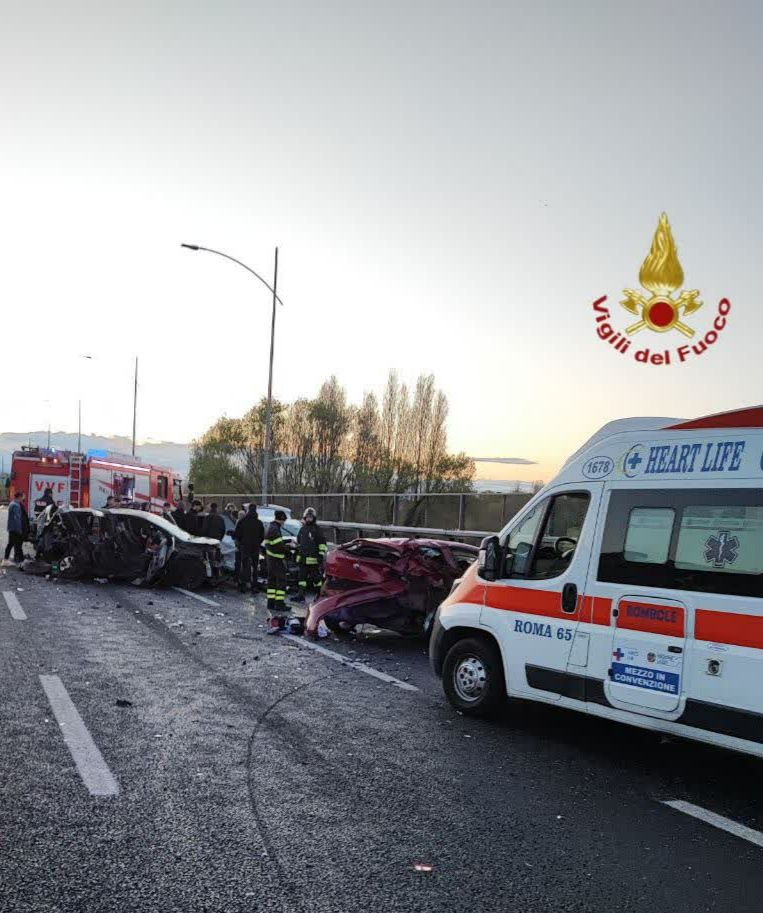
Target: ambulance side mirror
(489, 560)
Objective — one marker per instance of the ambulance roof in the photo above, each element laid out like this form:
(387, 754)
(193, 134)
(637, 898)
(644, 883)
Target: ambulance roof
(659, 447)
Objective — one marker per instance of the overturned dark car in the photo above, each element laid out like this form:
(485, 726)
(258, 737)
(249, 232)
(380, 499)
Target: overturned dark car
(396, 584)
(127, 545)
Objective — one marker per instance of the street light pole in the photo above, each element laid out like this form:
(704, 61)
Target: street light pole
(269, 409)
(135, 405)
(79, 426)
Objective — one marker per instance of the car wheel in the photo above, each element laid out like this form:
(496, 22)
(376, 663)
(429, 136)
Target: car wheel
(188, 573)
(472, 677)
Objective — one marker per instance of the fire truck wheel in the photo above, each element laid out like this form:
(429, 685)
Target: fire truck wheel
(472, 677)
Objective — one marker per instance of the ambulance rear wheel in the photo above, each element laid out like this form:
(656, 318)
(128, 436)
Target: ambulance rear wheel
(472, 676)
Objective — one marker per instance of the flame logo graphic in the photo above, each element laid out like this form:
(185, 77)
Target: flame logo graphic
(661, 272)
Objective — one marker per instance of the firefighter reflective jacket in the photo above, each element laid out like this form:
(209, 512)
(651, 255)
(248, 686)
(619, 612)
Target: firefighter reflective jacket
(311, 544)
(274, 542)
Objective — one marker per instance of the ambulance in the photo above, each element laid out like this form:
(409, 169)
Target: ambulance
(630, 587)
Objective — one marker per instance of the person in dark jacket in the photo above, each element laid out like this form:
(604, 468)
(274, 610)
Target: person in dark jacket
(178, 515)
(248, 536)
(194, 521)
(275, 558)
(311, 553)
(214, 525)
(46, 500)
(18, 528)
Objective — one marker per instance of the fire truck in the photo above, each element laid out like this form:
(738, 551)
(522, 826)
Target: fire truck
(87, 479)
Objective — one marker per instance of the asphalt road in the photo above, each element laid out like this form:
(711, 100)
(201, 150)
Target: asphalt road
(255, 774)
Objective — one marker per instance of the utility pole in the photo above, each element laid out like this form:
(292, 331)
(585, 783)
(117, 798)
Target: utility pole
(79, 426)
(269, 409)
(266, 459)
(135, 405)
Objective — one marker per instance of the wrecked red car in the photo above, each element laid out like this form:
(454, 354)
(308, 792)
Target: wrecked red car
(396, 584)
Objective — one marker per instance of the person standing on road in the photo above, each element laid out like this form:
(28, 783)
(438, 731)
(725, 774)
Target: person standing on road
(311, 553)
(248, 535)
(18, 528)
(275, 556)
(168, 514)
(232, 514)
(47, 499)
(193, 519)
(214, 525)
(178, 515)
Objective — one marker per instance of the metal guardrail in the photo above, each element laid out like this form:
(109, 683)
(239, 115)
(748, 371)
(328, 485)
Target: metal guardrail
(408, 532)
(456, 511)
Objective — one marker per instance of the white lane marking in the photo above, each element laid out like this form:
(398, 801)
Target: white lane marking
(88, 759)
(353, 664)
(12, 601)
(203, 599)
(724, 824)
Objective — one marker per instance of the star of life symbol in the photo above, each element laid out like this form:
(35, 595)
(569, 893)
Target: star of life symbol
(721, 549)
(661, 273)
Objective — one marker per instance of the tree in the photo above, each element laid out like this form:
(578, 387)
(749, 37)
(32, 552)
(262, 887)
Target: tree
(327, 445)
(228, 456)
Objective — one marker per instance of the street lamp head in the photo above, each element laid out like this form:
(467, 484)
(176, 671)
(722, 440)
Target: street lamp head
(190, 246)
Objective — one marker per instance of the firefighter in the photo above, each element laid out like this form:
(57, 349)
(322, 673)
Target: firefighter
(275, 556)
(311, 553)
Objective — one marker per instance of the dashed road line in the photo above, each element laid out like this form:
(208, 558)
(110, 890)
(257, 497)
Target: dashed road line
(719, 821)
(88, 760)
(14, 606)
(352, 664)
(203, 599)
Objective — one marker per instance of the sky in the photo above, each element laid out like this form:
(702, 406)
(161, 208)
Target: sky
(451, 186)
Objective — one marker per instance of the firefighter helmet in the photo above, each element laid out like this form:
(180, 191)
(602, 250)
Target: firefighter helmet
(310, 514)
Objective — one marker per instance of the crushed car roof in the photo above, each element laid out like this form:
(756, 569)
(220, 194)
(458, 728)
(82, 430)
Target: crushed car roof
(168, 527)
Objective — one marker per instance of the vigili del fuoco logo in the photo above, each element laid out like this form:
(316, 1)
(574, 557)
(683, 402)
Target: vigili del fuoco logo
(662, 276)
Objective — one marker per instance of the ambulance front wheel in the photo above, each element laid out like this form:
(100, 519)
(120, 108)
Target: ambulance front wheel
(472, 676)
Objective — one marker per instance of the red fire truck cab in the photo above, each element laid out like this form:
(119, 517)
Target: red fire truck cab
(86, 480)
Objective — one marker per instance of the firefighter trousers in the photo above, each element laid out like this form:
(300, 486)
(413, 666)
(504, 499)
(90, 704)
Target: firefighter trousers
(276, 587)
(310, 576)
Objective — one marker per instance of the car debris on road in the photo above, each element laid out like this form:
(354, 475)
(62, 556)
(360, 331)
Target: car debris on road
(125, 545)
(395, 584)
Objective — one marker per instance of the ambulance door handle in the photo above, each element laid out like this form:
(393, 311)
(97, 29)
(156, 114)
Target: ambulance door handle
(672, 649)
(569, 597)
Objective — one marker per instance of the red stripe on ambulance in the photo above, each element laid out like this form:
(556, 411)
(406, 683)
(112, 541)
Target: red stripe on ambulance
(729, 628)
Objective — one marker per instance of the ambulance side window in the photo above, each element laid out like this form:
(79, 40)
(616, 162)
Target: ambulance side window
(543, 544)
(561, 531)
(647, 537)
(521, 540)
(702, 540)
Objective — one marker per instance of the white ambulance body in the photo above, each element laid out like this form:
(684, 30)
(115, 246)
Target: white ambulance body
(630, 587)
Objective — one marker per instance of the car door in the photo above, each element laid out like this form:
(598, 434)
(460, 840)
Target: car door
(534, 607)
